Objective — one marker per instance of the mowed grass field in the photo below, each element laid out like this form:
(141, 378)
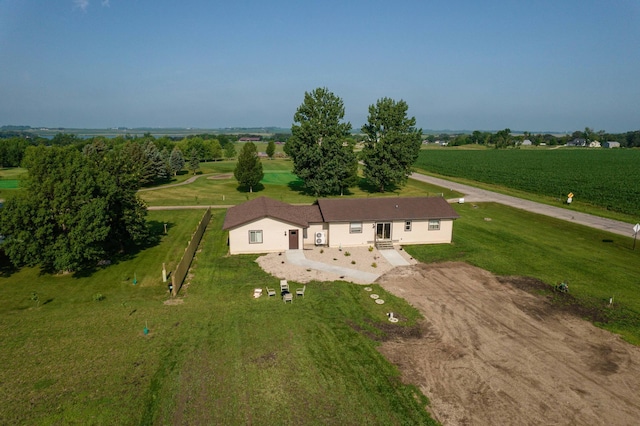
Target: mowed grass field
(278, 183)
(220, 357)
(603, 181)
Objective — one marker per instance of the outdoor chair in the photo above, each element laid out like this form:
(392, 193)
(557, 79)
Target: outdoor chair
(300, 291)
(271, 291)
(284, 286)
(288, 297)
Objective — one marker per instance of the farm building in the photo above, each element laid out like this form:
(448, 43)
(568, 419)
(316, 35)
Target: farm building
(265, 225)
(611, 144)
(577, 142)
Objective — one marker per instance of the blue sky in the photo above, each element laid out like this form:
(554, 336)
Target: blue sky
(538, 66)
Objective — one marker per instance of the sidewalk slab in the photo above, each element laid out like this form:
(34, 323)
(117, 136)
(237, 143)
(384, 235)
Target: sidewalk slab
(394, 258)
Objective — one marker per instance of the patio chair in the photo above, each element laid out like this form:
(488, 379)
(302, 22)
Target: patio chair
(284, 285)
(300, 291)
(271, 291)
(288, 297)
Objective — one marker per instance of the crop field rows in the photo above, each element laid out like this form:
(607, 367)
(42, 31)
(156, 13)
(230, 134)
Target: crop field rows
(605, 178)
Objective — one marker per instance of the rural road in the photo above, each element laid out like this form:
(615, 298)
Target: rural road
(480, 195)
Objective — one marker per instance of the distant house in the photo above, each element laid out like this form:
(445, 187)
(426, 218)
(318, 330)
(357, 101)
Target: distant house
(594, 144)
(250, 139)
(611, 144)
(265, 225)
(526, 142)
(577, 142)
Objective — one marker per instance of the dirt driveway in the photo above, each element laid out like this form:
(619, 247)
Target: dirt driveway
(492, 354)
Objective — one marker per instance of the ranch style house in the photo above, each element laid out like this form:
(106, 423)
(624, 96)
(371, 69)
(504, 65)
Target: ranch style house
(264, 225)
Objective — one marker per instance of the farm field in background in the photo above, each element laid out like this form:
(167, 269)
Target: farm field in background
(604, 178)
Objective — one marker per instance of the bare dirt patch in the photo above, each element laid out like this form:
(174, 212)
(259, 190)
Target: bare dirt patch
(488, 352)
(221, 176)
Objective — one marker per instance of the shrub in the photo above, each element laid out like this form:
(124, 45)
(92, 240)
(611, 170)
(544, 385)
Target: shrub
(98, 297)
(374, 265)
(346, 253)
(353, 262)
(370, 248)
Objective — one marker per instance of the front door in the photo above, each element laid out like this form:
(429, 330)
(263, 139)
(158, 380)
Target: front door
(293, 239)
(383, 231)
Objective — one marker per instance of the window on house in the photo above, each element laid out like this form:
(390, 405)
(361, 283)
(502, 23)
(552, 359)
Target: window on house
(304, 233)
(434, 224)
(255, 237)
(407, 225)
(355, 228)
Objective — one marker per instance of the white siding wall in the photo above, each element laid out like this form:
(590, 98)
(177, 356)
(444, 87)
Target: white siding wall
(420, 233)
(311, 232)
(273, 238)
(339, 234)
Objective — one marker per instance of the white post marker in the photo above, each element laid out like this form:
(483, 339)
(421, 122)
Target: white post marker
(636, 229)
(570, 198)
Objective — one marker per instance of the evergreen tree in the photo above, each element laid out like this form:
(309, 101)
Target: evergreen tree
(194, 161)
(319, 145)
(158, 164)
(391, 145)
(176, 161)
(248, 171)
(271, 149)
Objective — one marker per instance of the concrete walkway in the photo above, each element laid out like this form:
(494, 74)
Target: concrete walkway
(481, 195)
(394, 258)
(297, 257)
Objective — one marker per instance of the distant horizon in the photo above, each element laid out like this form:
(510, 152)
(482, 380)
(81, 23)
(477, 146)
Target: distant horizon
(267, 129)
(558, 66)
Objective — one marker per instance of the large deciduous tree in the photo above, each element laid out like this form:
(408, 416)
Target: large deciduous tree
(391, 144)
(75, 210)
(248, 171)
(319, 146)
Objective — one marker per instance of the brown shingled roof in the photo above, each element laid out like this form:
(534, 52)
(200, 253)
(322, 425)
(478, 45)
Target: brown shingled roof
(396, 208)
(262, 207)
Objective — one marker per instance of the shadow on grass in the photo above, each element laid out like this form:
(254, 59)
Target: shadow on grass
(367, 186)
(6, 267)
(156, 232)
(246, 190)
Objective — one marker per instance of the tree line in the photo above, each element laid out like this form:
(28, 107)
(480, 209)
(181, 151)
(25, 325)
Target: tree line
(505, 139)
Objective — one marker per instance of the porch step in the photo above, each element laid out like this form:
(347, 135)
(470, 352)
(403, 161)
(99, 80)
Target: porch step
(384, 245)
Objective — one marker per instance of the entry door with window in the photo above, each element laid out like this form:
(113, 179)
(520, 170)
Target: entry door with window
(383, 231)
(293, 239)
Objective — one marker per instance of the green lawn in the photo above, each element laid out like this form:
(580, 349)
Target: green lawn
(221, 357)
(278, 183)
(506, 241)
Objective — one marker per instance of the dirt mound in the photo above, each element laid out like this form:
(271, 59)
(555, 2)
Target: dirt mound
(488, 352)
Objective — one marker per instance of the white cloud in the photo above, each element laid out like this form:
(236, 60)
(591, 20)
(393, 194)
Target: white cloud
(81, 4)
(105, 3)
